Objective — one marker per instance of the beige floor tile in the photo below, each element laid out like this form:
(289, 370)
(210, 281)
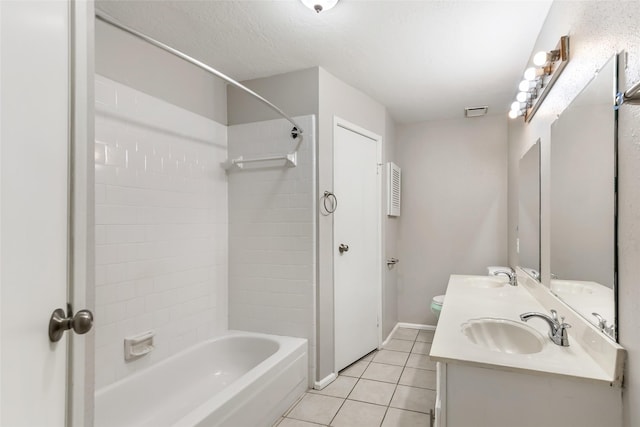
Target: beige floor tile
(383, 372)
(414, 399)
(401, 418)
(341, 387)
(391, 357)
(372, 392)
(425, 336)
(405, 334)
(369, 357)
(290, 422)
(359, 414)
(421, 361)
(355, 370)
(421, 347)
(418, 378)
(316, 408)
(293, 405)
(398, 345)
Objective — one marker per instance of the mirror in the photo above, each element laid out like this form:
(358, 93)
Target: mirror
(528, 243)
(583, 201)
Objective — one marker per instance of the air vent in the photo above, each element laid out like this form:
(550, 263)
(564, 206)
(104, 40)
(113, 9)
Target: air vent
(475, 111)
(393, 189)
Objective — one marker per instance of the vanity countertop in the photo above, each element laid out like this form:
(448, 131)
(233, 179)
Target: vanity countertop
(465, 301)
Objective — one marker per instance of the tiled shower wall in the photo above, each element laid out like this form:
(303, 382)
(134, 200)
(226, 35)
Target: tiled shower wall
(271, 232)
(161, 227)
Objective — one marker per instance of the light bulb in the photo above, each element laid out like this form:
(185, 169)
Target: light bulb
(513, 114)
(530, 73)
(524, 86)
(540, 58)
(319, 5)
(515, 106)
(521, 96)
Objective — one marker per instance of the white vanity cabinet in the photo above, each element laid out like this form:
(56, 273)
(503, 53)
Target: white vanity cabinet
(483, 397)
(482, 385)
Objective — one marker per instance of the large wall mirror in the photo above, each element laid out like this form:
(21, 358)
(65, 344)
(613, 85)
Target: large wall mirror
(528, 244)
(583, 201)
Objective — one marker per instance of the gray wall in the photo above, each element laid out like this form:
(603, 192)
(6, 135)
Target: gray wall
(139, 65)
(390, 237)
(597, 30)
(296, 93)
(454, 206)
(336, 99)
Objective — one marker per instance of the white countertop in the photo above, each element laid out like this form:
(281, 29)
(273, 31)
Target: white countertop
(465, 301)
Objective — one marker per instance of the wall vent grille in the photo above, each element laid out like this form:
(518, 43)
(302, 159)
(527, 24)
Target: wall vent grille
(394, 187)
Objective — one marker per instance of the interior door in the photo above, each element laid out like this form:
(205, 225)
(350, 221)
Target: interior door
(357, 294)
(34, 134)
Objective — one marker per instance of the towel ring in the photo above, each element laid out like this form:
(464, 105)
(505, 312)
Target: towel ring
(329, 202)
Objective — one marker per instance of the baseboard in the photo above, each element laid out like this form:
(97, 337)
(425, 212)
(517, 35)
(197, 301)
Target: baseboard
(319, 385)
(406, 325)
(416, 326)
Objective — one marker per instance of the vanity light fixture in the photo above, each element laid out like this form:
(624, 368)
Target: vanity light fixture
(538, 80)
(319, 5)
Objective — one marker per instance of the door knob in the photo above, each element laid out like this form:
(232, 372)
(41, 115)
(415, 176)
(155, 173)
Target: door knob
(81, 323)
(343, 248)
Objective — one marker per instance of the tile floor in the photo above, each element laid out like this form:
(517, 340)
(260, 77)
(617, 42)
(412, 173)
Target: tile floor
(391, 387)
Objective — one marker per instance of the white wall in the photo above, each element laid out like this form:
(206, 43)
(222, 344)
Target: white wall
(597, 30)
(271, 232)
(161, 227)
(454, 206)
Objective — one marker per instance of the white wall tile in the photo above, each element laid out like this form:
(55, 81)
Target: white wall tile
(161, 227)
(271, 229)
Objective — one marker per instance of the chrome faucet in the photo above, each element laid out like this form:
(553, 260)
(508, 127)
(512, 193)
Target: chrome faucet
(557, 329)
(510, 274)
(603, 325)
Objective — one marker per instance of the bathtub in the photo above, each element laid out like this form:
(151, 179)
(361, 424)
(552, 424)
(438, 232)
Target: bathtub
(236, 380)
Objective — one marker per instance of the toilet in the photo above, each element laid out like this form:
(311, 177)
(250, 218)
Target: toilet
(436, 305)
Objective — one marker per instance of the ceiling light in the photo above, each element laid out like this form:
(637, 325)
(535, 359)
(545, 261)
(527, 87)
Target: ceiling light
(319, 5)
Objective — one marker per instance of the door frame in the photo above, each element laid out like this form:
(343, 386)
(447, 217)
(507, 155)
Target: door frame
(81, 265)
(342, 123)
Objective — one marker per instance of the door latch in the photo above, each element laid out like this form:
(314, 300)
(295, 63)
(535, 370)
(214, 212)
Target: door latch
(343, 248)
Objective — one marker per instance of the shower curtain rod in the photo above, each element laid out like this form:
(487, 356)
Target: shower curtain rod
(112, 21)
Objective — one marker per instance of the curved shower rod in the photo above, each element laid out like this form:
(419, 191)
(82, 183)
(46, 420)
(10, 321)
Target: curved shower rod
(112, 21)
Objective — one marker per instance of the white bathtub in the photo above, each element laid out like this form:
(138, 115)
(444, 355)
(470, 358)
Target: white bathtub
(237, 380)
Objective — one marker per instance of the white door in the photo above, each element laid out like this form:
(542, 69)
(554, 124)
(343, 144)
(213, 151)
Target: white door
(356, 237)
(34, 209)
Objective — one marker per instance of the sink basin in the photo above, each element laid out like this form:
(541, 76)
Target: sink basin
(487, 281)
(502, 335)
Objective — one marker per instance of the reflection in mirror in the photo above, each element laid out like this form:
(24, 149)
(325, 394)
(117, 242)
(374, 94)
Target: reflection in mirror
(529, 211)
(583, 156)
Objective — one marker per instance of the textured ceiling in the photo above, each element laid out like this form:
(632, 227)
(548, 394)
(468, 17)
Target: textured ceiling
(424, 60)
